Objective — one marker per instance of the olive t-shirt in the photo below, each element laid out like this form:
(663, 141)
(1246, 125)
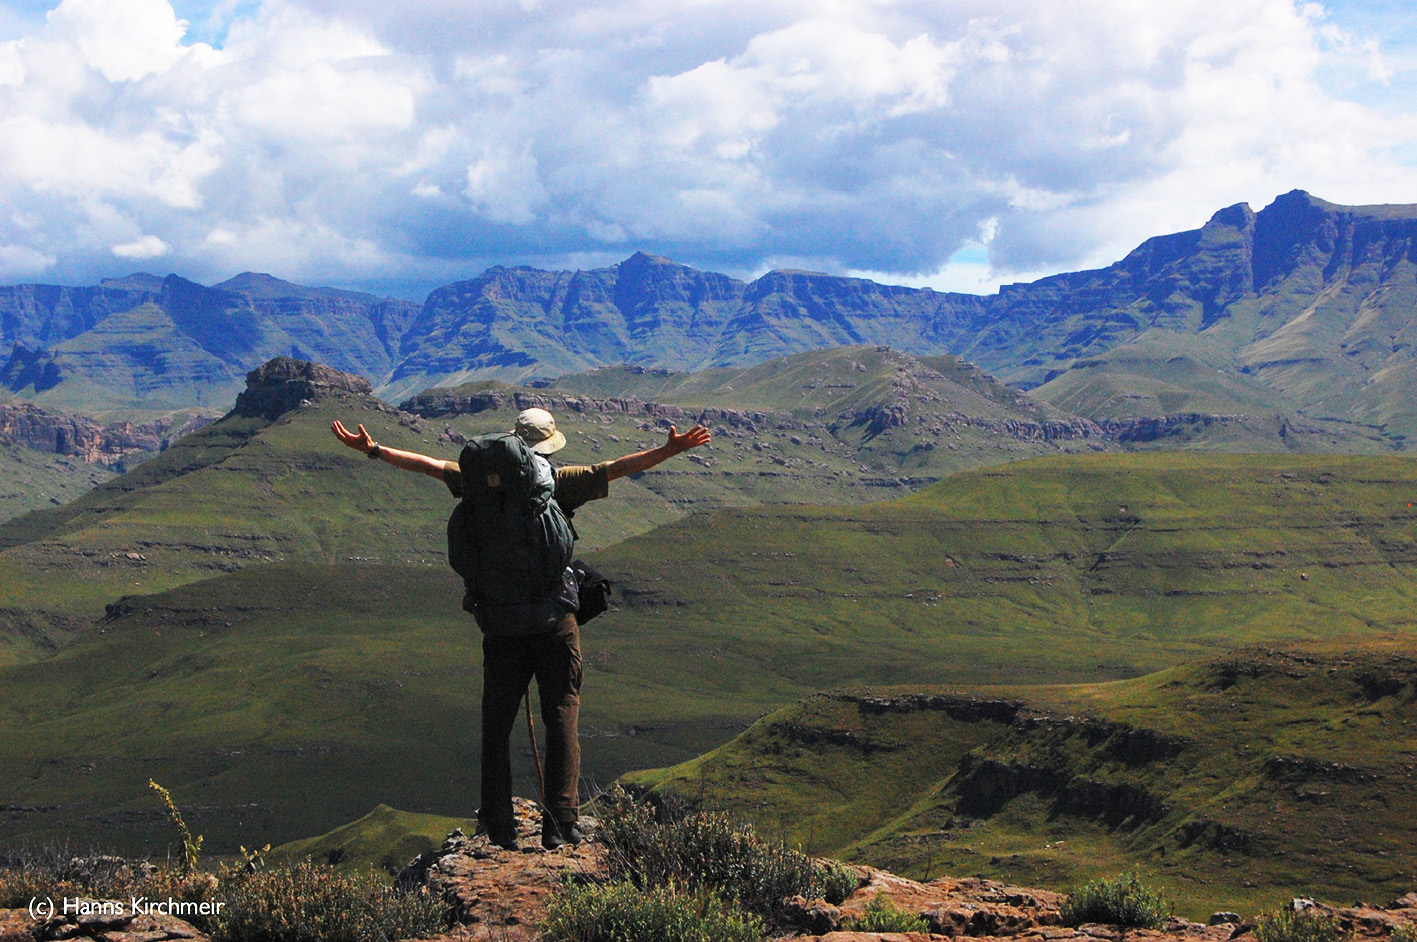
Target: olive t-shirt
(576, 484)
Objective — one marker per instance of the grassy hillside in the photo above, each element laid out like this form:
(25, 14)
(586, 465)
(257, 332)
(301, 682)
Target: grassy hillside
(1040, 571)
(35, 479)
(284, 700)
(240, 492)
(843, 425)
(249, 491)
(384, 838)
(1236, 782)
(307, 684)
(1210, 409)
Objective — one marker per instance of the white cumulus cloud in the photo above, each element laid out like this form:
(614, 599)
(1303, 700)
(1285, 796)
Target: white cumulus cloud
(123, 39)
(146, 247)
(404, 145)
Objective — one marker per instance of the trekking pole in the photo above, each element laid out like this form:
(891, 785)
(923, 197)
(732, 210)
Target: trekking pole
(535, 753)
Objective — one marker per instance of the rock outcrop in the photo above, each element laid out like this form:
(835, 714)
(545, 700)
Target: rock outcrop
(283, 384)
(98, 921)
(502, 894)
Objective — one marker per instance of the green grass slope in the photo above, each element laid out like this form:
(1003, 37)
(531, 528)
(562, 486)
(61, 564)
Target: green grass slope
(34, 479)
(1239, 781)
(963, 409)
(1040, 571)
(383, 838)
(240, 492)
(248, 491)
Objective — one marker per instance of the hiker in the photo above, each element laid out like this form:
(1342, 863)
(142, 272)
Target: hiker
(547, 648)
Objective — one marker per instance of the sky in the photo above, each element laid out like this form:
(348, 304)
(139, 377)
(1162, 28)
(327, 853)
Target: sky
(398, 146)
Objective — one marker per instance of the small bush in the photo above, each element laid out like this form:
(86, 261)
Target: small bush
(1407, 933)
(622, 912)
(883, 915)
(838, 881)
(1304, 925)
(1120, 901)
(303, 903)
(706, 852)
(312, 903)
(59, 873)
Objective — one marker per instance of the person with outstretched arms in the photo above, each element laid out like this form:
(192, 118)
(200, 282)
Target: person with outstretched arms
(527, 617)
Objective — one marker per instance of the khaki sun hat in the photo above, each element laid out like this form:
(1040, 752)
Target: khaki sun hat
(537, 428)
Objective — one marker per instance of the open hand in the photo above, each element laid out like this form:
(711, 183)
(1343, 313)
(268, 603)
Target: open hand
(362, 442)
(693, 438)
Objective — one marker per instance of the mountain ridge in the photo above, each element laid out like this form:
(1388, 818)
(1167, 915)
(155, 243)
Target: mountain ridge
(1304, 308)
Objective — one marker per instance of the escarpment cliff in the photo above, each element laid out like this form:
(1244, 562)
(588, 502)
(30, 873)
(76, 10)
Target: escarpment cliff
(23, 423)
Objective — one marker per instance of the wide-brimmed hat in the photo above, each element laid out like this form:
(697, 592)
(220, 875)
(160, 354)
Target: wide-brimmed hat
(537, 428)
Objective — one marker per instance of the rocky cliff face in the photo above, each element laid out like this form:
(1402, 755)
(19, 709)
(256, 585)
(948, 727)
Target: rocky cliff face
(1306, 305)
(42, 315)
(23, 423)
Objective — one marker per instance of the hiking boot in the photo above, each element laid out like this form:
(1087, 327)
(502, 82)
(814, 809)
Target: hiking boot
(556, 834)
(504, 835)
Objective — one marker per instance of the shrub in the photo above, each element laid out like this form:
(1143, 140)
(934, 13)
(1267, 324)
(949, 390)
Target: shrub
(1407, 933)
(59, 873)
(622, 912)
(706, 852)
(839, 881)
(308, 902)
(1120, 901)
(56, 873)
(303, 903)
(1305, 925)
(882, 915)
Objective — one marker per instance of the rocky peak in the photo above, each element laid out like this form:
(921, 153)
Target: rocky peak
(262, 285)
(643, 280)
(1239, 216)
(138, 281)
(283, 384)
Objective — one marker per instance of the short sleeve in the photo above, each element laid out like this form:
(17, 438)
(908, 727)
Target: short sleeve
(452, 476)
(578, 484)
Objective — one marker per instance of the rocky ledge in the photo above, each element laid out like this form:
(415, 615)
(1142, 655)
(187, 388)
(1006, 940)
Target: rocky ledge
(502, 894)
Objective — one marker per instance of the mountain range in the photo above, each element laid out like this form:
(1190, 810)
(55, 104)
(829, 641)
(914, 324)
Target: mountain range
(1303, 310)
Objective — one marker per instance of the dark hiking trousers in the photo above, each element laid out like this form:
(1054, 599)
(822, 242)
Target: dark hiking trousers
(508, 664)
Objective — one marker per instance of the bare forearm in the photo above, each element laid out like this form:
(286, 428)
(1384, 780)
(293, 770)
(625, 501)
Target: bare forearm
(411, 461)
(644, 460)
(364, 443)
(639, 461)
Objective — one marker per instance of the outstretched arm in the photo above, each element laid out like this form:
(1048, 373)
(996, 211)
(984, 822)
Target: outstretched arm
(644, 460)
(363, 442)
